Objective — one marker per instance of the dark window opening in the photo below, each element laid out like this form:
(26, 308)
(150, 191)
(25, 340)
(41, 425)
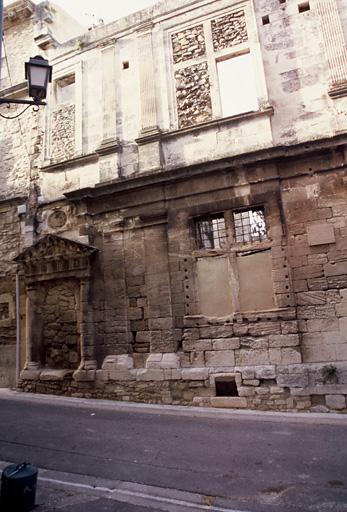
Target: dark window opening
(226, 386)
(211, 232)
(305, 6)
(250, 225)
(126, 64)
(4, 311)
(265, 20)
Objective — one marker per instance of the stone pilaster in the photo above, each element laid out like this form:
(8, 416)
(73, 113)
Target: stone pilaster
(149, 137)
(108, 61)
(335, 45)
(88, 361)
(109, 147)
(149, 121)
(32, 330)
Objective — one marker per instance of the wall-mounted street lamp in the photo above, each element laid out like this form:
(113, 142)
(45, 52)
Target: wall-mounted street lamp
(38, 72)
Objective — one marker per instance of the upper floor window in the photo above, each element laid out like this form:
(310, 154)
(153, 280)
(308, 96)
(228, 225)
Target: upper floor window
(213, 65)
(65, 90)
(211, 232)
(250, 225)
(63, 120)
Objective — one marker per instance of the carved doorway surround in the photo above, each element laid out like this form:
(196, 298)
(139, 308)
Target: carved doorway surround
(51, 262)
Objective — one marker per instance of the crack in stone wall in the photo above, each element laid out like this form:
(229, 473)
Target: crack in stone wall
(193, 95)
(63, 133)
(229, 30)
(188, 44)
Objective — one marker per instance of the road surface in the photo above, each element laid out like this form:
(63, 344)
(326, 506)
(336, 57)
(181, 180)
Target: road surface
(167, 458)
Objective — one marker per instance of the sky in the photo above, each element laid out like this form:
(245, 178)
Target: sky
(89, 11)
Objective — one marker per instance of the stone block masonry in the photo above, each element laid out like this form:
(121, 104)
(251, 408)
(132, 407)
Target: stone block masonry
(216, 270)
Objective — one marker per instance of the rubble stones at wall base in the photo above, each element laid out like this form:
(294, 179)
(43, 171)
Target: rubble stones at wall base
(269, 387)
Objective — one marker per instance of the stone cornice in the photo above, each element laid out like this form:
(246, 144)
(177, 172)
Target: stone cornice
(271, 154)
(71, 163)
(15, 89)
(17, 11)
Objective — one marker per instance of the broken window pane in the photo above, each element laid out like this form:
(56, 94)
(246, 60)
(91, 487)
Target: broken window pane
(211, 232)
(250, 225)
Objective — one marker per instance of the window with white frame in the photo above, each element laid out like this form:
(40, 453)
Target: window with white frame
(65, 90)
(213, 66)
(63, 120)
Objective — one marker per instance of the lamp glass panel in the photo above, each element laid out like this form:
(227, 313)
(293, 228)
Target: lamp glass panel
(38, 76)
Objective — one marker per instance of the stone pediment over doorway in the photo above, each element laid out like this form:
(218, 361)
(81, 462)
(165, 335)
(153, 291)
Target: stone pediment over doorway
(53, 256)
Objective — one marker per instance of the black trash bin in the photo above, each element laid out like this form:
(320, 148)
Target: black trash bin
(18, 488)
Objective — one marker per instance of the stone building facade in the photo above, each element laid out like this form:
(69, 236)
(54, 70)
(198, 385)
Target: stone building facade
(177, 215)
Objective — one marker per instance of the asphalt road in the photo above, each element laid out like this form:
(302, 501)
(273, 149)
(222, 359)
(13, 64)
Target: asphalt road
(214, 460)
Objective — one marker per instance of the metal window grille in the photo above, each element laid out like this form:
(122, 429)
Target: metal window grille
(211, 232)
(250, 225)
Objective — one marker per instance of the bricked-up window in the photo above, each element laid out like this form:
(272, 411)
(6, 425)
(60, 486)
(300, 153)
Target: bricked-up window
(250, 225)
(215, 80)
(63, 120)
(66, 90)
(237, 85)
(211, 232)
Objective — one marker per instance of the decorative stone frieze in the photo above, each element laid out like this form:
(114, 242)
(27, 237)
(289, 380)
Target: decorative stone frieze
(63, 133)
(188, 44)
(193, 95)
(229, 30)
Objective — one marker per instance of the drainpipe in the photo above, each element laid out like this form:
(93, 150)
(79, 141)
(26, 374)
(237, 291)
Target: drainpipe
(17, 328)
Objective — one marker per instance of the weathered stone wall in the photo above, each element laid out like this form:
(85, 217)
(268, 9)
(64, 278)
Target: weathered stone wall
(19, 46)
(63, 133)
(9, 245)
(229, 30)
(193, 95)
(316, 212)
(60, 336)
(21, 146)
(188, 44)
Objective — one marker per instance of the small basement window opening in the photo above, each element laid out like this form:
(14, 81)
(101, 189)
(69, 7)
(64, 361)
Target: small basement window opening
(250, 225)
(4, 311)
(266, 20)
(226, 386)
(303, 7)
(211, 231)
(126, 64)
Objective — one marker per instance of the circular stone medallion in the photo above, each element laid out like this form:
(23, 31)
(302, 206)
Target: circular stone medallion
(57, 219)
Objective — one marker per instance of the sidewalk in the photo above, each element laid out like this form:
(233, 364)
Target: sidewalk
(70, 492)
(178, 410)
